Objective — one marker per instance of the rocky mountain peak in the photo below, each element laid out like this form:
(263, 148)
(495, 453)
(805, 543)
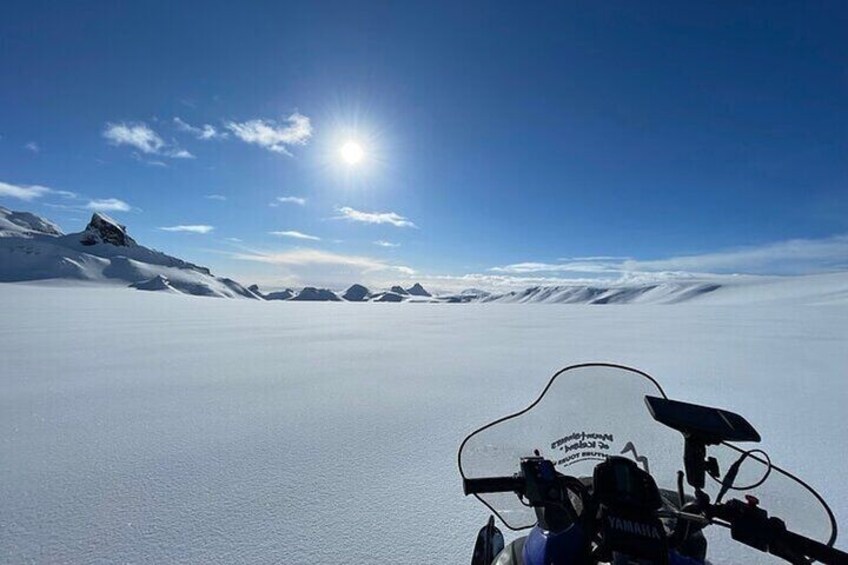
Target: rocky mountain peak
(356, 293)
(103, 229)
(418, 290)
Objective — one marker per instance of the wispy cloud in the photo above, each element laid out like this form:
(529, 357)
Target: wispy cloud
(30, 192)
(791, 257)
(152, 162)
(315, 257)
(199, 228)
(289, 200)
(219, 197)
(297, 130)
(108, 205)
(33, 146)
(382, 243)
(205, 132)
(295, 234)
(180, 154)
(795, 256)
(581, 266)
(23, 192)
(348, 213)
(141, 137)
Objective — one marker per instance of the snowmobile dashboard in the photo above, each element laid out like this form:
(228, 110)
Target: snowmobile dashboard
(703, 423)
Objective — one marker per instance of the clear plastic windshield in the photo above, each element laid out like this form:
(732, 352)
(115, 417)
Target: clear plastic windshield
(589, 412)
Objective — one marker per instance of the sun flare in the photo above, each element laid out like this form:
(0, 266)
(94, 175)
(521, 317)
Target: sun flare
(352, 153)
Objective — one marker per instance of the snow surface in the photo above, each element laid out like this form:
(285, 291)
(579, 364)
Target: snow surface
(150, 428)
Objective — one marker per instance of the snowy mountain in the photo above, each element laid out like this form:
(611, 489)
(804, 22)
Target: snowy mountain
(417, 290)
(588, 294)
(312, 294)
(285, 294)
(33, 248)
(24, 224)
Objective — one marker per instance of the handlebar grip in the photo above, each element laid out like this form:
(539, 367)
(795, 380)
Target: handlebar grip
(492, 484)
(809, 548)
(752, 526)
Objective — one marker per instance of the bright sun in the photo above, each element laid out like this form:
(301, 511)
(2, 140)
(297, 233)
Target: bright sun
(352, 153)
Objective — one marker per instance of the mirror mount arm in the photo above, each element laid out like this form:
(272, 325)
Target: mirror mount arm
(695, 461)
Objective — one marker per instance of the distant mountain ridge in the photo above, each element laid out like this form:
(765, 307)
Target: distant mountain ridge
(33, 248)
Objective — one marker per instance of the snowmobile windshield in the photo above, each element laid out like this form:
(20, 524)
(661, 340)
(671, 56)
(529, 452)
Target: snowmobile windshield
(590, 412)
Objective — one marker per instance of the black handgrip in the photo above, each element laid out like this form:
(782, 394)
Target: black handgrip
(752, 526)
(493, 484)
(800, 545)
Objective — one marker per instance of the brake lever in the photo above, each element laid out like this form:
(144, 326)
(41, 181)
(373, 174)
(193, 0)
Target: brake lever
(688, 516)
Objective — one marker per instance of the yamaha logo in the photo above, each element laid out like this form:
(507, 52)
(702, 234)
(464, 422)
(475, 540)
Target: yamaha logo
(635, 528)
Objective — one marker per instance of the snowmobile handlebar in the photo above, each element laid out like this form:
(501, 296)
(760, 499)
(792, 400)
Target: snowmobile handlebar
(493, 484)
(752, 526)
(749, 524)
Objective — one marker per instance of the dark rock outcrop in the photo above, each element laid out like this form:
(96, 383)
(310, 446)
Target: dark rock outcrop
(418, 290)
(103, 229)
(356, 293)
(389, 297)
(285, 294)
(312, 294)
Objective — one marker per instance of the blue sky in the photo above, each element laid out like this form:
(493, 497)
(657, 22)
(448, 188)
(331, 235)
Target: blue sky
(504, 144)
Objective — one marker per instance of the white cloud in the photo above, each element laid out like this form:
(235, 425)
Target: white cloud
(273, 136)
(108, 205)
(30, 192)
(140, 136)
(219, 197)
(33, 146)
(189, 228)
(137, 135)
(205, 132)
(348, 213)
(582, 266)
(23, 192)
(594, 258)
(289, 200)
(382, 243)
(314, 257)
(180, 154)
(791, 257)
(295, 234)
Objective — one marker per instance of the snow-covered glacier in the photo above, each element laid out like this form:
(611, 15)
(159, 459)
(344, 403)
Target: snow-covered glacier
(148, 428)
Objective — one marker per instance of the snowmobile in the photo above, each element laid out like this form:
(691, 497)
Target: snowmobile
(592, 469)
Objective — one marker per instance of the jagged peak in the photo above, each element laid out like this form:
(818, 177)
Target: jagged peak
(418, 290)
(104, 229)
